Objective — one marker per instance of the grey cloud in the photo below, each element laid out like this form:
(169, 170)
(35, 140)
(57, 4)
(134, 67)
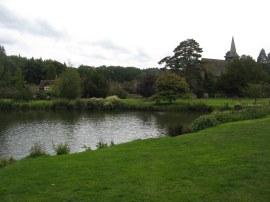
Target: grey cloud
(142, 56)
(39, 27)
(110, 45)
(6, 41)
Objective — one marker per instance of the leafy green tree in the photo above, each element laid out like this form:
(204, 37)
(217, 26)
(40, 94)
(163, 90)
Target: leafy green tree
(146, 87)
(118, 90)
(2, 51)
(255, 90)
(170, 86)
(209, 83)
(240, 72)
(262, 58)
(34, 71)
(18, 79)
(7, 69)
(94, 83)
(68, 84)
(119, 74)
(53, 69)
(186, 60)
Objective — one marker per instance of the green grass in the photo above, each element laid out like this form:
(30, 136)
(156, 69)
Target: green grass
(213, 102)
(135, 104)
(229, 162)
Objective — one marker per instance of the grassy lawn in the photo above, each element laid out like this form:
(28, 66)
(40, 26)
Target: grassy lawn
(213, 102)
(134, 104)
(229, 162)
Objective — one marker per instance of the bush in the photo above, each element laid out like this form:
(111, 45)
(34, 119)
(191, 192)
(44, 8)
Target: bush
(37, 150)
(112, 102)
(6, 162)
(42, 95)
(119, 91)
(95, 103)
(23, 94)
(102, 145)
(62, 104)
(216, 118)
(6, 105)
(205, 121)
(61, 148)
(238, 106)
(87, 148)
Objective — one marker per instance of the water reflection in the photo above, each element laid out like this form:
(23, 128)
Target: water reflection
(19, 130)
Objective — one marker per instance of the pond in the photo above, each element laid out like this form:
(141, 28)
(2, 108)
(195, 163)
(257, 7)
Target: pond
(20, 130)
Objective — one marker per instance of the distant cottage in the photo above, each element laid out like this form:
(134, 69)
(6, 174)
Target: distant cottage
(46, 84)
(218, 67)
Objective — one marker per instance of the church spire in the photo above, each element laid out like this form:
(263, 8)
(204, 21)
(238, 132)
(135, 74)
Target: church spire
(232, 53)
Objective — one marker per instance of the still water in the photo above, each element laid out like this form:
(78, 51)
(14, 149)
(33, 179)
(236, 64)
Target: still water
(20, 130)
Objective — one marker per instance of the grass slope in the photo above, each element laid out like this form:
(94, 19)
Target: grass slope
(229, 162)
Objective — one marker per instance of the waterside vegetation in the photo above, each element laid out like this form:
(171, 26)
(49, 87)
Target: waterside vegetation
(114, 103)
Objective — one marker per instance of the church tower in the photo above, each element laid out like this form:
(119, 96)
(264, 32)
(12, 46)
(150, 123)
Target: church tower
(232, 53)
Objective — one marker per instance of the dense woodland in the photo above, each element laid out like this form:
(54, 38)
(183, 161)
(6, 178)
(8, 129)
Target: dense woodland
(20, 77)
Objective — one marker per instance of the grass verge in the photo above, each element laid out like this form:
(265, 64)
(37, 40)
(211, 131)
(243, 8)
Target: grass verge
(229, 162)
(127, 104)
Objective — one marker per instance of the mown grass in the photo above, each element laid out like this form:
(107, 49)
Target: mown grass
(213, 102)
(229, 162)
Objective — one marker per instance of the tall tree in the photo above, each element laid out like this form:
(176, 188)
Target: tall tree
(2, 51)
(18, 80)
(186, 60)
(255, 90)
(94, 83)
(146, 87)
(262, 58)
(240, 72)
(69, 85)
(34, 71)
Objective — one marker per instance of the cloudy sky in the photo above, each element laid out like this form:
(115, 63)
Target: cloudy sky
(130, 32)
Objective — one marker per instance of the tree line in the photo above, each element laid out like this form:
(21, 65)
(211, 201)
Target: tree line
(181, 75)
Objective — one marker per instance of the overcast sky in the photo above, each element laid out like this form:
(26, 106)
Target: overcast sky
(131, 32)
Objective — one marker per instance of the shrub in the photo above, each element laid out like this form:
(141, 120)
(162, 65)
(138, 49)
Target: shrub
(238, 106)
(62, 104)
(6, 162)
(37, 150)
(6, 105)
(80, 104)
(101, 145)
(205, 121)
(42, 95)
(23, 94)
(61, 148)
(215, 118)
(112, 102)
(225, 107)
(95, 103)
(119, 91)
(87, 148)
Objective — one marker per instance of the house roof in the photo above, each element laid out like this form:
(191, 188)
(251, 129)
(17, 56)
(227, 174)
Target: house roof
(46, 82)
(216, 66)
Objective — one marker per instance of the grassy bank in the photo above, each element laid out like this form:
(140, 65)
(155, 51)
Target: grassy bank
(229, 162)
(127, 104)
